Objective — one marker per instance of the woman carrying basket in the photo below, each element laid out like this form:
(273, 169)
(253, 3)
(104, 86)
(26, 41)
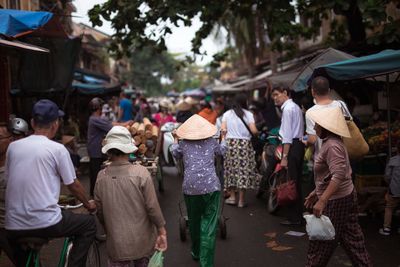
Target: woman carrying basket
(201, 185)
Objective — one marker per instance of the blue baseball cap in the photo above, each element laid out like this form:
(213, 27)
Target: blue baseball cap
(46, 111)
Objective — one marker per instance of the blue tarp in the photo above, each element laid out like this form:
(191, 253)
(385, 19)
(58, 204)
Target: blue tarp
(385, 62)
(14, 22)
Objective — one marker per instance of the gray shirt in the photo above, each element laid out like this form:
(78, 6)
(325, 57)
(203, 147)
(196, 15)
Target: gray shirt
(198, 159)
(392, 175)
(97, 129)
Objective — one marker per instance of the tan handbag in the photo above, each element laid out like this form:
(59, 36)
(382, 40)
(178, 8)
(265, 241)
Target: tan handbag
(356, 146)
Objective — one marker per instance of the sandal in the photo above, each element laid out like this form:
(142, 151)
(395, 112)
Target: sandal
(241, 204)
(230, 201)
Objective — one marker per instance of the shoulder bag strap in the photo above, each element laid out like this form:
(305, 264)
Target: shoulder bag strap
(245, 124)
(345, 111)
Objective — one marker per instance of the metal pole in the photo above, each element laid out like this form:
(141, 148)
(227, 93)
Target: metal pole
(388, 115)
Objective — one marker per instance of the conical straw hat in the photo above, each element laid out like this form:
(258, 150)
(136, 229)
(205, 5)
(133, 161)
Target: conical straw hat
(183, 105)
(331, 119)
(196, 128)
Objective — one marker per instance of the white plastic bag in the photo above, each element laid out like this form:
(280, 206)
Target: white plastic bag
(319, 228)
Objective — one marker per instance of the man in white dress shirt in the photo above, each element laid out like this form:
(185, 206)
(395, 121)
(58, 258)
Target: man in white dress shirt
(291, 131)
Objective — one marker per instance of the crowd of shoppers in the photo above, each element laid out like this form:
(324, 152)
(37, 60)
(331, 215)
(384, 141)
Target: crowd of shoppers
(210, 132)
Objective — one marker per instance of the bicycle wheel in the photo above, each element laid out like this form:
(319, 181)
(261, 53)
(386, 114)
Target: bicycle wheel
(272, 199)
(93, 257)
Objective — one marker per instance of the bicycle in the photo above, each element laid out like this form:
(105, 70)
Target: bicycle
(33, 246)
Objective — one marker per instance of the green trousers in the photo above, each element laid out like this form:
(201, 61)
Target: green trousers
(203, 211)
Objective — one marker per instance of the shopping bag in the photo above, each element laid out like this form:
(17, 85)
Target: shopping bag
(319, 228)
(157, 260)
(356, 146)
(286, 192)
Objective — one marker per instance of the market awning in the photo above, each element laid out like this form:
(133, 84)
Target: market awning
(17, 23)
(330, 55)
(90, 83)
(385, 62)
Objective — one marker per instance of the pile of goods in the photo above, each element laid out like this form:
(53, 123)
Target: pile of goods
(145, 136)
(377, 136)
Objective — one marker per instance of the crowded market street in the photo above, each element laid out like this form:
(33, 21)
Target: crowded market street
(249, 234)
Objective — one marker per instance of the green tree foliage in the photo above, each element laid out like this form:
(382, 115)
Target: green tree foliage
(149, 68)
(254, 25)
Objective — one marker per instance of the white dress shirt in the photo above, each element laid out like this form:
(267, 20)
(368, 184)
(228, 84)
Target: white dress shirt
(292, 125)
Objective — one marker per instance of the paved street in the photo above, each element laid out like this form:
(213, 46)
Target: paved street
(247, 243)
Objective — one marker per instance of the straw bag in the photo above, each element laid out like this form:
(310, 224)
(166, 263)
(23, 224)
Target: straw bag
(356, 146)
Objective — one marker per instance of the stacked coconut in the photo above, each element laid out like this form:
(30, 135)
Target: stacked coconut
(145, 136)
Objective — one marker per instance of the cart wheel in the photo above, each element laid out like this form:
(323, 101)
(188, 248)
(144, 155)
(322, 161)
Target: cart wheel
(182, 228)
(272, 198)
(222, 227)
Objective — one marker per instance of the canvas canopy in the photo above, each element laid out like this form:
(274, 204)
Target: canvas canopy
(16, 22)
(330, 55)
(385, 62)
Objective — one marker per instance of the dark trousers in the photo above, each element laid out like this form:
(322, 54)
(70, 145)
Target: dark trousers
(5, 245)
(81, 227)
(295, 171)
(94, 168)
(203, 211)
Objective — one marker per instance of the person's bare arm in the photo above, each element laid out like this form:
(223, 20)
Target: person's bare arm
(253, 128)
(311, 140)
(78, 191)
(286, 149)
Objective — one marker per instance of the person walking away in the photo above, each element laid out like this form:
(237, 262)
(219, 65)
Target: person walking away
(31, 200)
(125, 112)
(184, 111)
(163, 116)
(126, 191)
(291, 131)
(239, 164)
(392, 197)
(201, 185)
(98, 127)
(334, 195)
(320, 91)
(207, 112)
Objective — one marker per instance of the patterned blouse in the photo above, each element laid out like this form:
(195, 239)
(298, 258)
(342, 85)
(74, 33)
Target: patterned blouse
(199, 170)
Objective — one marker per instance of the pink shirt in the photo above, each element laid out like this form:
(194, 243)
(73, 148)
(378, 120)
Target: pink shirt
(332, 163)
(160, 120)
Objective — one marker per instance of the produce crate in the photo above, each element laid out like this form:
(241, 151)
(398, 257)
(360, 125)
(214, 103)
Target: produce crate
(362, 181)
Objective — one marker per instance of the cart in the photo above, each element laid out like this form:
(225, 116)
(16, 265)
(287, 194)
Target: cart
(184, 220)
(153, 166)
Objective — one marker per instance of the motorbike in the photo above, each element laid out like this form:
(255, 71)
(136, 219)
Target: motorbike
(271, 169)
(167, 141)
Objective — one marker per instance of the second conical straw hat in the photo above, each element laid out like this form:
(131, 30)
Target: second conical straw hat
(331, 119)
(196, 128)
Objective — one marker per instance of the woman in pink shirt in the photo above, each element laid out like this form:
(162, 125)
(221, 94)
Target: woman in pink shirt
(163, 116)
(334, 194)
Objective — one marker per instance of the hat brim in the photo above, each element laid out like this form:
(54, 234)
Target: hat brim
(126, 148)
(196, 128)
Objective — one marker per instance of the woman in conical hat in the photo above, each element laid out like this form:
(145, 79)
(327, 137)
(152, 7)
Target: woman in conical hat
(334, 194)
(201, 185)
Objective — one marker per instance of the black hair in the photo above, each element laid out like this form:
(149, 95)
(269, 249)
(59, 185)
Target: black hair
(320, 85)
(115, 152)
(42, 125)
(281, 88)
(239, 104)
